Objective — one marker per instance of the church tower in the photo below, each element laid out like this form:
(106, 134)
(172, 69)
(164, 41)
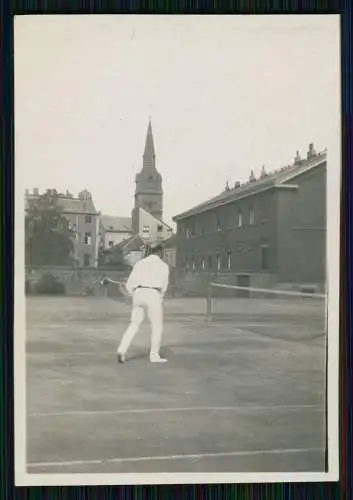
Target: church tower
(148, 192)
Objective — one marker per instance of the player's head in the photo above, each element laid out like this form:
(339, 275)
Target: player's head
(155, 249)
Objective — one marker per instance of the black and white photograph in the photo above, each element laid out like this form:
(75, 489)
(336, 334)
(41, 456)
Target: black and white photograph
(177, 227)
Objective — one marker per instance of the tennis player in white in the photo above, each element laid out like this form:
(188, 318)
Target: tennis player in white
(147, 283)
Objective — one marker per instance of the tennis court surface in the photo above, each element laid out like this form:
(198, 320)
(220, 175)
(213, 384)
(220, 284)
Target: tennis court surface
(241, 395)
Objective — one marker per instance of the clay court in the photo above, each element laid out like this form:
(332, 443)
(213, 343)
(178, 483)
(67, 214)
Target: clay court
(241, 393)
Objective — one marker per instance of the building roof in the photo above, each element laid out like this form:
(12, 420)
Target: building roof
(170, 242)
(68, 204)
(267, 181)
(116, 224)
(141, 209)
(72, 205)
(132, 244)
(149, 153)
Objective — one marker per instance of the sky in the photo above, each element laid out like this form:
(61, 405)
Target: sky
(226, 95)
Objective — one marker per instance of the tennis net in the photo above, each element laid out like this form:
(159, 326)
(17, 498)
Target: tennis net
(277, 313)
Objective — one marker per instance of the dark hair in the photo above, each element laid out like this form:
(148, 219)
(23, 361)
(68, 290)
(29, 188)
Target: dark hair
(154, 249)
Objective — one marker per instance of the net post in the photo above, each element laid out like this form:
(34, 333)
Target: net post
(208, 303)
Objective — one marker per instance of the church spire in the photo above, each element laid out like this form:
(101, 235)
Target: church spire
(149, 156)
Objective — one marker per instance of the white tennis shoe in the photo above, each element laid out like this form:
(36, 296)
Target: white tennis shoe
(155, 358)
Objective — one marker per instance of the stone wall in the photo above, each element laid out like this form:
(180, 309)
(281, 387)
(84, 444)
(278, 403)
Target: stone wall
(77, 281)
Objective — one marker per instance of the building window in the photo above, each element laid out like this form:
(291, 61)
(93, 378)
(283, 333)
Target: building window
(86, 260)
(146, 229)
(265, 257)
(229, 260)
(110, 243)
(187, 233)
(160, 228)
(251, 215)
(218, 262)
(219, 223)
(193, 266)
(88, 238)
(187, 266)
(239, 219)
(88, 219)
(202, 263)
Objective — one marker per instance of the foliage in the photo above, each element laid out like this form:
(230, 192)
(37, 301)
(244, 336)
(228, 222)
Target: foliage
(49, 240)
(49, 285)
(112, 258)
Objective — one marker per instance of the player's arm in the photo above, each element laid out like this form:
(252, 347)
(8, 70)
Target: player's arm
(165, 281)
(131, 281)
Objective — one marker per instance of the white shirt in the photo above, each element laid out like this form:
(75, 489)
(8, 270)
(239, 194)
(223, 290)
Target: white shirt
(149, 272)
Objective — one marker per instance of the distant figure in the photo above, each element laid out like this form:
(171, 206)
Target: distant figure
(147, 283)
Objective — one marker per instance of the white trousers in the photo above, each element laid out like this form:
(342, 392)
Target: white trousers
(149, 300)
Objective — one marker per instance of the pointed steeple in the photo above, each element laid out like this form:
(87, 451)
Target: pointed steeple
(149, 157)
(149, 190)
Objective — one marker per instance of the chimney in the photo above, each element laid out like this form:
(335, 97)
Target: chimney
(36, 191)
(263, 172)
(252, 177)
(311, 151)
(85, 195)
(297, 158)
(227, 186)
(237, 185)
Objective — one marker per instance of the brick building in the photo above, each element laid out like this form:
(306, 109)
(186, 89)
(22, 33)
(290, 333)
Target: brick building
(269, 231)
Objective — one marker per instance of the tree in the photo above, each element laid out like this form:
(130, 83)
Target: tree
(49, 240)
(113, 257)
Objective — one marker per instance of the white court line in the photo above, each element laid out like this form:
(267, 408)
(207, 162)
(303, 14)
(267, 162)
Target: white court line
(97, 354)
(182, 409)
(177, 457)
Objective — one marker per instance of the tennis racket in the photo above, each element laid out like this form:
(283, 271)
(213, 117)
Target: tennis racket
(121, 284)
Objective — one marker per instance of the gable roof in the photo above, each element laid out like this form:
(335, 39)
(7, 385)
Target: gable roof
(132, 244)
(117, 224)
(155, 218)
(271, 180)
